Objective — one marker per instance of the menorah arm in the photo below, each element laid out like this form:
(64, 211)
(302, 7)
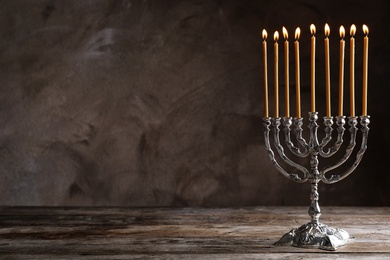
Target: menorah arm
(340, 129)
(365, 129)
(280, 149)
(328, 122)
(291, 176)
(287, 122)
(298, 122)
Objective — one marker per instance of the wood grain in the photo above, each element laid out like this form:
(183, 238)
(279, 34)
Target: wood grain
(184, 233)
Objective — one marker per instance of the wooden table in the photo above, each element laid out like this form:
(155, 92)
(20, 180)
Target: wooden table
(183, 233)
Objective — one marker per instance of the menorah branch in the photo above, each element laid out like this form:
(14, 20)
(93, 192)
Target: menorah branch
(328, 122)
(267, 123)
(280, 149)
(298, 122)
(364, 121)
(287, 122)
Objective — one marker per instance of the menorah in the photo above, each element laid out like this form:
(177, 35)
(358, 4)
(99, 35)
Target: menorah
(314, 233)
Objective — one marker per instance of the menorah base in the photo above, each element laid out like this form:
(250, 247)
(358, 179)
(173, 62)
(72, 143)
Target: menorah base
(315, 236)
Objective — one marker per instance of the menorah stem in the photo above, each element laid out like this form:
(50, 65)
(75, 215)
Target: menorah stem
(314, 209)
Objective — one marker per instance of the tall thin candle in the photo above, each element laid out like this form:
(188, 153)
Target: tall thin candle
(365, 70)
(276, 74)
(313, 68)
(297, 74)
(341, 70)
(264, 35)
(352, 71)
(286, 72)
(327, 70)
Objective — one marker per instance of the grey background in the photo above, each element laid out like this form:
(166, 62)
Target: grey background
(159, 103)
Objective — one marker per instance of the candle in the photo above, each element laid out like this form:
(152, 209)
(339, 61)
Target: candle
(327, 70)
(297, 74)
(264, 35)
(365, 70)
(276, 73)
(313, 67)
(341, 70)
(286, 72)
(352, 70)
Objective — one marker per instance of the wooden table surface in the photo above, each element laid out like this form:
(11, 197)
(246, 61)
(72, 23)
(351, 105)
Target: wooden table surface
(183, 233)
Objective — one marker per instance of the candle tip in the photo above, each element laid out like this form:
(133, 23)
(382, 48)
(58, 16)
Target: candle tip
(297, 33)
(276, 36)
(327, 30)
(312, 29)
(285, 34)
(342, 32)
(264, 34)
(365, 29)
(353, 30)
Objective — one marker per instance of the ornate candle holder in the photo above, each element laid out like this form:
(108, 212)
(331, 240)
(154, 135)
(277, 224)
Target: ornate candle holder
(314, 233)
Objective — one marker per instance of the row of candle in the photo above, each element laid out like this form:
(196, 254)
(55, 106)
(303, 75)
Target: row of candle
(312, 71)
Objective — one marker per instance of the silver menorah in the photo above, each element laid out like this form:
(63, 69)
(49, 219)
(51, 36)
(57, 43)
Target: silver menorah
(314, 233)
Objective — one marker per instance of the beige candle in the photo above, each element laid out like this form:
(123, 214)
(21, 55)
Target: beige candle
(286, 72)
(352, 71)
(276, 74)
(313, 68)
(365, 70)
(341, 70)
(297, 74)
(327, 70)
(264, 35)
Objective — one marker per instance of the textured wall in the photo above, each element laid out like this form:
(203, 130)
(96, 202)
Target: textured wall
(160, 102)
